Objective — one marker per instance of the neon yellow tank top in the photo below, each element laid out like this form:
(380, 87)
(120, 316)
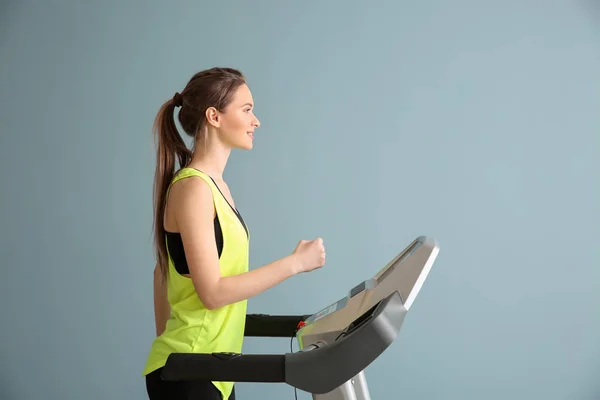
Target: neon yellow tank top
(192, 328)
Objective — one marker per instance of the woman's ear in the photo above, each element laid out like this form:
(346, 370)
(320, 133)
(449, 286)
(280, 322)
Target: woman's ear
(213, 117)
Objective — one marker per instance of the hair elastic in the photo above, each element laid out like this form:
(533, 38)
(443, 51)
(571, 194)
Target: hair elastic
(177, 100)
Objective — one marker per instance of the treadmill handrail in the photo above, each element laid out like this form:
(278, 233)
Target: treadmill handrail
(224, 367)
(316, 371)
(265, 325)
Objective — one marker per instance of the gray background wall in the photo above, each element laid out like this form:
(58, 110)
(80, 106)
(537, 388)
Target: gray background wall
(472, 122)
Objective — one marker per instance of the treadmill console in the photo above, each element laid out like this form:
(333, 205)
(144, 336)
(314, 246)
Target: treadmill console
(403, 275)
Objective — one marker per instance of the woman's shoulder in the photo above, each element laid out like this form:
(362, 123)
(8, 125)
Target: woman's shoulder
(186, 181)
(187, 172)
(190, 196)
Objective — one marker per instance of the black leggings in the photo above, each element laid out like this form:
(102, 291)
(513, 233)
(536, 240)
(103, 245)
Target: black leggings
(166, 390)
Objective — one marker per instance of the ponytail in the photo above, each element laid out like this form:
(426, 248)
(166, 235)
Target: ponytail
(169, 145)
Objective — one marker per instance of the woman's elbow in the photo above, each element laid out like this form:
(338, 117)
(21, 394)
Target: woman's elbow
(210, 301)
(208, 290)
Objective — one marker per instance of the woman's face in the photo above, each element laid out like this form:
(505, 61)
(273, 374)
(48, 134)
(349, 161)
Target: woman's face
(236, 124)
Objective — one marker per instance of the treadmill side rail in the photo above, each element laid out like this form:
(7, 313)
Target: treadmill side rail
(225, 367)
(265, 325)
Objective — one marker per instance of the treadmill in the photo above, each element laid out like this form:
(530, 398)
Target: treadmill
(336, 344)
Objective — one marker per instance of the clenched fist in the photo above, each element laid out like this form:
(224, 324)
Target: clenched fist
(310, 254)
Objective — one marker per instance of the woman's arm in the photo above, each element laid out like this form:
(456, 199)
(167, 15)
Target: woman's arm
(162, 309)
(194, 208)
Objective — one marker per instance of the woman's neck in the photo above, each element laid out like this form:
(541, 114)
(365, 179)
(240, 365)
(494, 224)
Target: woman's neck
(212, 160)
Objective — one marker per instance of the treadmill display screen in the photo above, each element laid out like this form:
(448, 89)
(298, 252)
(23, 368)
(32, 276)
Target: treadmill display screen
(358, 288)
(364, 285)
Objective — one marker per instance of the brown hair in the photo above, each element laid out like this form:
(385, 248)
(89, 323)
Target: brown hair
(213, 87)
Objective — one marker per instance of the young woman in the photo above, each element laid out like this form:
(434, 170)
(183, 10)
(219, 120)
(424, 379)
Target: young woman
(201, 279)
